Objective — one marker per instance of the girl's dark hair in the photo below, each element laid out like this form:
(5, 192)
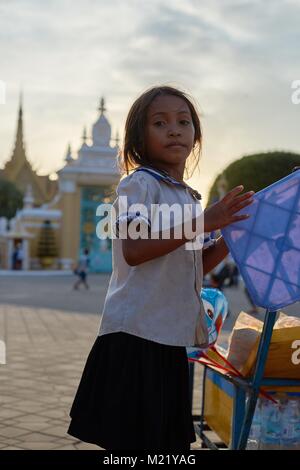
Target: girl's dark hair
(133, 153)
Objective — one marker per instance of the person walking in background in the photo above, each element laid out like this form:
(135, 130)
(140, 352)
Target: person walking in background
(82, 270)
(14, 258)
(17, 257)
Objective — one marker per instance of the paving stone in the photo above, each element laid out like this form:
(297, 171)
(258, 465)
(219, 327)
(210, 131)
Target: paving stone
(31, 418)
(38, 437)
(59, 431)
(54, 413)
(86, 446)
(6, 413)
(59, 422)
(47, 401)
(67, 400)
(10, 441)
(62, 441)
(35, 445)
(3, 446)
(66, 447)
(11, 432)
(6, 398)
(33, 426)
(25, 407)
(11, 448)
(9, 422)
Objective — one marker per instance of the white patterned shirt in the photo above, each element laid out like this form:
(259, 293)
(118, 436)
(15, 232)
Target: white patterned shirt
(159, 299)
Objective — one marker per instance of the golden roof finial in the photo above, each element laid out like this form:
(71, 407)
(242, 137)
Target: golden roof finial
(102, 108)
(84, 135)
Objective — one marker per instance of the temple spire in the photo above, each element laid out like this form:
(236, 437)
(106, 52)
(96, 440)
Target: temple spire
(102, 108)
(68, 157)
(84, 135)
(19, 150)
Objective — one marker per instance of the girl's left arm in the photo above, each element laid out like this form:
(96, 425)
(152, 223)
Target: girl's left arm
(213, 255)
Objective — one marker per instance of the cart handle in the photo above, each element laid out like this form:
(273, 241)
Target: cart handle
(231, 369)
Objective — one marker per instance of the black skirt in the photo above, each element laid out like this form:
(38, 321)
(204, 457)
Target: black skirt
(134, 395)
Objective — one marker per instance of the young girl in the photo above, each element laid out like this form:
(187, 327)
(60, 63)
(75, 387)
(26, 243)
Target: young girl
(134, 391)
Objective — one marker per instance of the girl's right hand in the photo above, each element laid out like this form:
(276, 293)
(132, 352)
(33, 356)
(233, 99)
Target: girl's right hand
(222, 213)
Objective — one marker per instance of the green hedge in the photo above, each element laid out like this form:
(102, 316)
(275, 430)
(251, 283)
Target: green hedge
(257, 171)
(11, 199)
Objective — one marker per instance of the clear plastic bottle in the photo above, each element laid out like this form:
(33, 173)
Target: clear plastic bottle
(254, 435)
(270, 426)
(290, 438)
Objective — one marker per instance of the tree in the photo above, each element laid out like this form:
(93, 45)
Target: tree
(11, 199)
(47, 244)
(257, 171)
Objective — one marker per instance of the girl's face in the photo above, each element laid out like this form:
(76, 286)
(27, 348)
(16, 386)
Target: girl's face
(169, 132)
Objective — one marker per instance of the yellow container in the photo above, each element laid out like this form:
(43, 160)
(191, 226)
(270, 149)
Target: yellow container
(218, 405)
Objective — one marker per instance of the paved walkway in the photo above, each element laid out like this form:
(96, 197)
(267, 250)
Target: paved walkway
(46, 350)
(48, 330)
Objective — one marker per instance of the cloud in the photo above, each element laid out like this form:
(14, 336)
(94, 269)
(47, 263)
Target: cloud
(236, 57)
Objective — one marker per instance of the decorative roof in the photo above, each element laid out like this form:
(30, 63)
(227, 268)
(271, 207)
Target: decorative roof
(19, 169)
(68, 157)
(99, 158)
(101, 132)
(19, 154)
(28, 200)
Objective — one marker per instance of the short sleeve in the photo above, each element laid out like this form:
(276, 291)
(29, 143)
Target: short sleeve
(136, 194)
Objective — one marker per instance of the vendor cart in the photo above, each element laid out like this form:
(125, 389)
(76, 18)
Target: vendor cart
(228, 401)
(266, 249)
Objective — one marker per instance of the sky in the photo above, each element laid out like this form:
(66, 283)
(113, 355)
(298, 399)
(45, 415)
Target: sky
(236, 58)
